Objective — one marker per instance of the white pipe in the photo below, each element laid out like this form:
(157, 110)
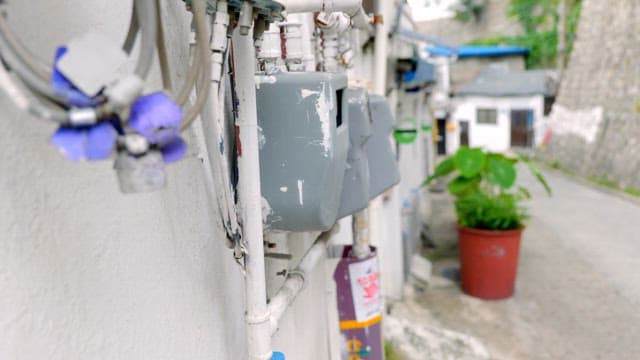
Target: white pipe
(380, 51)
(211, 138)
(298, 6)
(360, 225)
(257, 315)
(213, 176)
(332, 26)
(361, 21)
(309, 58)
(296, 278)
(379, 76)
(353, 8)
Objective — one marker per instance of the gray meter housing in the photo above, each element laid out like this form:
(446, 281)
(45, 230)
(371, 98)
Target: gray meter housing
(383, 167)
(355, 188)
(303, 147)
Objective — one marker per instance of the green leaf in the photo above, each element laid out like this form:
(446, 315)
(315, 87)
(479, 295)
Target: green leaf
(443, 169)
(469, 162)
(501, 172)
(490, 211)
(461, 185)
(502, 157)
(524, 193)
(535, 171)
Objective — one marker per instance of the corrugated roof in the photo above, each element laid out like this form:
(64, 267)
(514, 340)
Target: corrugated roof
(477, 51)
(496, 81)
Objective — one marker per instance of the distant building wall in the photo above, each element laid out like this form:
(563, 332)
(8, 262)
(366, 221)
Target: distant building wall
(493, 22)
(595, 124)
(494, 137)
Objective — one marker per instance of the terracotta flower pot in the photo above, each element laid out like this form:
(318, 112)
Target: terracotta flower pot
(488, 262)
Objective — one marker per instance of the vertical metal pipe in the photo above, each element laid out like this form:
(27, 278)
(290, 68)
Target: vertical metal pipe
(258, 326)
(380, 50)
(361, 247)
(379, 84)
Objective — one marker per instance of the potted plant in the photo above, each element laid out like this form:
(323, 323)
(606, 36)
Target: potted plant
(490, 217)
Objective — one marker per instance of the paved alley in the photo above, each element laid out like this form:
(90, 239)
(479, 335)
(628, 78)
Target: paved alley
(578, 286)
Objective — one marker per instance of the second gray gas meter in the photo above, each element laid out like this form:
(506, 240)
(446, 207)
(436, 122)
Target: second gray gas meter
(355, 188)
(383, 167)
(303, 147)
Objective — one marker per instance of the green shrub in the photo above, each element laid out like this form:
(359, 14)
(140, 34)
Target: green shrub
(484, 186)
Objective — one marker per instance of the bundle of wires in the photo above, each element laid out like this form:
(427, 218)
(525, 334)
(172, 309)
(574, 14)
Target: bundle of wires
(52, 104)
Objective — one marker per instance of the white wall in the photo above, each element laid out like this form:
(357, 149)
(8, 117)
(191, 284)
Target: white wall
(493, 137)
(89, 273)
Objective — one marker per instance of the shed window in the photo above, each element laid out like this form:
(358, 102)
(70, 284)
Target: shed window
(487, 116)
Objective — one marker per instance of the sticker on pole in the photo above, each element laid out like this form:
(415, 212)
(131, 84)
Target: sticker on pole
(365, 289)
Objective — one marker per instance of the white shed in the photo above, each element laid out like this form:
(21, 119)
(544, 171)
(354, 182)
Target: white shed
(501, 109)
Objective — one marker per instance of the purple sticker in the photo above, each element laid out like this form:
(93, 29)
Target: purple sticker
(156, 117)
(174, 150)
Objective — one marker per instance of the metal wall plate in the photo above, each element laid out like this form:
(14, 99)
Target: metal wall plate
(355, 187)
(303, 150)
(383, 167)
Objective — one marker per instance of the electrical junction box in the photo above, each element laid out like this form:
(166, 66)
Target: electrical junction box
(355, 187)
(383, 167)
(304, 138)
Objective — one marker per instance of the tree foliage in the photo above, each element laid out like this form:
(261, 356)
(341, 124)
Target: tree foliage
(469, 9)
(534, 15)
(539, 19)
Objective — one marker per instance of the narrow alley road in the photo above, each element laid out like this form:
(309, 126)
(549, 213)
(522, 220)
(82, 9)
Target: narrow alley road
(578, 288)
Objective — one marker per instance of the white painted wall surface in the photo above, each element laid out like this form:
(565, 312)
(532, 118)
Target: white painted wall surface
(493, 137)
(89, 273)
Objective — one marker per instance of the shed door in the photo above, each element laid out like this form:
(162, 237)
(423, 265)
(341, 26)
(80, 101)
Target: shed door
(464, 132)
(522, 128)
(442, 136)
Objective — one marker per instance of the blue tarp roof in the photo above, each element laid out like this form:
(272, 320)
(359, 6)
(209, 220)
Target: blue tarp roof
(477, 51)
(424, 73)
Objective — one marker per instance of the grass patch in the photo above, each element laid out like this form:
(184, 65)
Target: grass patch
(609, 184)
(604, 182)
(555, 164)
(389, 352)
(632, 191)
(436, 254)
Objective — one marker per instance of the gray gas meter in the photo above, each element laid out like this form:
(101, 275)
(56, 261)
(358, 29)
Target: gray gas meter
(355, 187)
(383, 167)
(303, 150)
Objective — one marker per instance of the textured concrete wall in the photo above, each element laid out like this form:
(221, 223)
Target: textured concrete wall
(89, 273)
(493, 22)
(596, 120)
